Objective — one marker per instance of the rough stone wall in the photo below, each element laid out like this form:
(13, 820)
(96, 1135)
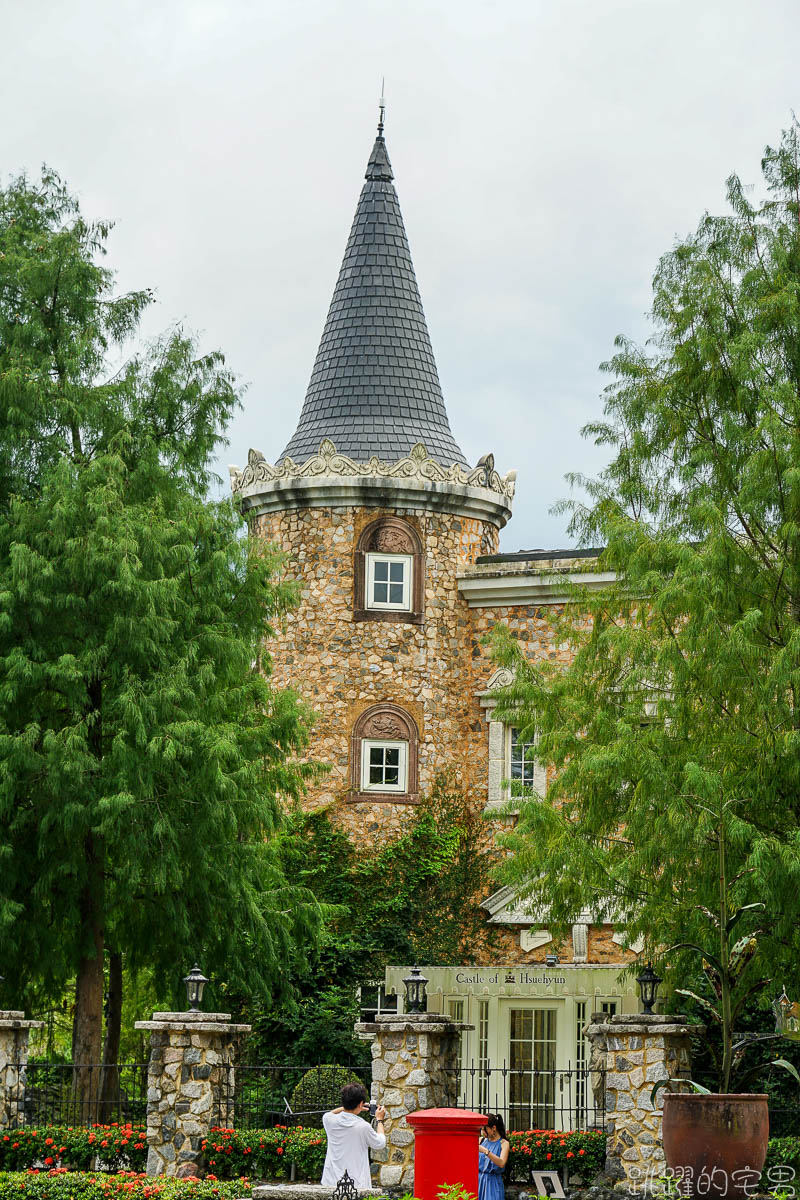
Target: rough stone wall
(14, 1032)
(435, 671)
(635, 1052)
(501, 947)
(340, 666)
(414, 1066)
(190, 1081)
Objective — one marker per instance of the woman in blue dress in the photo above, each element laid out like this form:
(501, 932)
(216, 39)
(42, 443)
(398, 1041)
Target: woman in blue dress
(492, 1158)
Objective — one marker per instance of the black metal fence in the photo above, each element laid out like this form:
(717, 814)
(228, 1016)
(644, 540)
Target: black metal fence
(784, 1120)
(258, 1097)
(76, 1094)
(533, 1099)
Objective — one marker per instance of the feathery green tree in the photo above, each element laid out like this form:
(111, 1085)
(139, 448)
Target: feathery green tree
(143, 750)
(673, 737)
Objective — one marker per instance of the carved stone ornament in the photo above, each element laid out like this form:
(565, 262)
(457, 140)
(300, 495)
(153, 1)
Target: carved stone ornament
(382, 726)
(501, 678)
(419, 466)
(391, 541)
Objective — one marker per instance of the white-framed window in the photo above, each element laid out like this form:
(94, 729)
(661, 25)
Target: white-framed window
(522, 769)
(389, 581)
(384, 766)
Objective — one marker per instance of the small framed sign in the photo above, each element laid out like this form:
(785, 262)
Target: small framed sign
(547, 1183)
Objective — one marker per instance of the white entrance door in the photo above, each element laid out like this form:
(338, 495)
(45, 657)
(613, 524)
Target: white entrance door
(532, 1065)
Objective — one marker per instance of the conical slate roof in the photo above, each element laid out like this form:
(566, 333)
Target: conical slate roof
(374, 388)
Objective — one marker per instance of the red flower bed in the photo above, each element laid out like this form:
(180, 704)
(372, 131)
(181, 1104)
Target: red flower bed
(118, 1147)
(266, 1153)
(583, 1151)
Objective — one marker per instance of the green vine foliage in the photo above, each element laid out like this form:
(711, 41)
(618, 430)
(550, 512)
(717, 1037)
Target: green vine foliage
(417, 897)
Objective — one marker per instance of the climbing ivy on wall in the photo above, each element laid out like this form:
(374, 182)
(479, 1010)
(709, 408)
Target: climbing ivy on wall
(416, 897)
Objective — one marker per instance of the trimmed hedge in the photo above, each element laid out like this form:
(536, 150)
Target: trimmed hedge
(119, 1147)
(266, 1153)
(582, 1151)
(60, 1184)
(319, 1089)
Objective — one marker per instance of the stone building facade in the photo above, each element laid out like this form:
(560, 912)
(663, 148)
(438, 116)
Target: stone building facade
(394, 539)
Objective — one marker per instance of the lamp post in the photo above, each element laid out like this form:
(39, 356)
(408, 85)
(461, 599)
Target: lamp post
(195, 982)
(648, 983)
(415, 984)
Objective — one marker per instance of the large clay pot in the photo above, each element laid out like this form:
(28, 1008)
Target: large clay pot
(715, 1145)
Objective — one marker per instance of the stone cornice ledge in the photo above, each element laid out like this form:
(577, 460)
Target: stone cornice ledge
(435, 1024)
(500, 591)
(331, 479)
(191, 1027)
(12, 1018)
(632, 1029)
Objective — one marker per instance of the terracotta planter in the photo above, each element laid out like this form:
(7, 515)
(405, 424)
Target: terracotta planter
(715, 1145)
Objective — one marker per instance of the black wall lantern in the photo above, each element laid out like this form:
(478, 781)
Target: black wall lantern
(195, 982)
(648, 983)
(415, 991)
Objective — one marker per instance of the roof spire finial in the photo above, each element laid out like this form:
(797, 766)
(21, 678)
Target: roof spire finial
(382, 106)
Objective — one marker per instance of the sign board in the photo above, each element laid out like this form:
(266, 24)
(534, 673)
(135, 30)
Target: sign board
(547, 1183)
(568, 979)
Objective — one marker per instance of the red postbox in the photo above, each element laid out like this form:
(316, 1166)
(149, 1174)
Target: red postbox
(445, 1149)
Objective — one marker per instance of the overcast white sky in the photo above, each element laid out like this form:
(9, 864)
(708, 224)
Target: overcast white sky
(546, 152)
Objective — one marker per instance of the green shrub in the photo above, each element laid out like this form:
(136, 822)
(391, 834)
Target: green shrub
(319, 1089)
(60, 1184)
(582, 1151)
(265, 1153)
(781, 1152)
(306, 1149)
(117, 1147)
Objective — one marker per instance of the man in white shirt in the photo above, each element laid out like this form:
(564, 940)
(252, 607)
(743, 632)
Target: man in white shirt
(350, 1138)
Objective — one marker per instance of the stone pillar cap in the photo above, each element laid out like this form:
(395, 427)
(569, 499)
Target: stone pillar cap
(206, 1026)
(192, 1015)
(402, 1024)
(642, 1018)
(12, 1018)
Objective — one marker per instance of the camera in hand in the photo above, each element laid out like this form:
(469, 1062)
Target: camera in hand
(373, 1108)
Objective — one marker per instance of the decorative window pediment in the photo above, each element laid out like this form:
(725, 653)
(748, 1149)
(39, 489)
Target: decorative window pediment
(384, 756)
(388, 570)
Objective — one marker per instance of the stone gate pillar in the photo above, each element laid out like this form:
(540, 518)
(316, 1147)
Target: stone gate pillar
(14, 1033)
(414, 1066)
(635, 1052)
(190, 1085)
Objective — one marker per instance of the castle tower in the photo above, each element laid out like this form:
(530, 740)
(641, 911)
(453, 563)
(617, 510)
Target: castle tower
(378, 510)
(393, 537)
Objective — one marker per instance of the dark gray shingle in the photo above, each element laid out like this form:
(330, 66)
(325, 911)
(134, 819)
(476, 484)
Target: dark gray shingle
(374, 388)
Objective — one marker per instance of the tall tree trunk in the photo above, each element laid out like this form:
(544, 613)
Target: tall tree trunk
(109, 1079)
(87, 1027)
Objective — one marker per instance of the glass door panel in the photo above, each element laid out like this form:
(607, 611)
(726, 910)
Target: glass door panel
(532, 1059)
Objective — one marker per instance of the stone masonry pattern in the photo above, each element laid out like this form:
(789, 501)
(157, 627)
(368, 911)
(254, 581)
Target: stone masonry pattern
(189, 1086)
(436, 671)
(414, 1061)
(635, 1052)
(14, 1033)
